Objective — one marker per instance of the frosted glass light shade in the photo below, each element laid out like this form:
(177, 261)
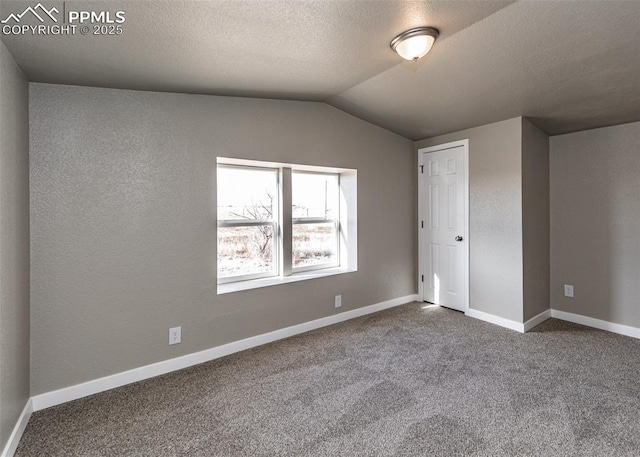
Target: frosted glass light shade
(414, 43)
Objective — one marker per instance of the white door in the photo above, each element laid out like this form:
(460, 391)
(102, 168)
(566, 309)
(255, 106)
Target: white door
(442, 227)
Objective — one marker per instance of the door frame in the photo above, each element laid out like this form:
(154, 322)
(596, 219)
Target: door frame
(465, 157)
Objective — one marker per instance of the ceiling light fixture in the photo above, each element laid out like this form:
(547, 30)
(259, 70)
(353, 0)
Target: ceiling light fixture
(414, 43)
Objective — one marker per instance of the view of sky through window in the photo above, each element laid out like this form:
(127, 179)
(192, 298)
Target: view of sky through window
(314, 195)
(247, 193)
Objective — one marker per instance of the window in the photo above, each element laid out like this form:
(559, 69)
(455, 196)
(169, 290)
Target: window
(315, 212)
(282, 222)
(247, 223)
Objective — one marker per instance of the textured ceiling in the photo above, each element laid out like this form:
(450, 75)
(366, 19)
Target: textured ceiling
(298, 49)
(568, 65)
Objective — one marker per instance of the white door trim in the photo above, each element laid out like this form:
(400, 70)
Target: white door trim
(440, 147)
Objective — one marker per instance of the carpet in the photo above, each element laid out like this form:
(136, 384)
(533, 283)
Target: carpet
(412, 380)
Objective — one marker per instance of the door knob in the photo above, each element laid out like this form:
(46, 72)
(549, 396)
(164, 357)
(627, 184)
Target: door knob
(458, 238)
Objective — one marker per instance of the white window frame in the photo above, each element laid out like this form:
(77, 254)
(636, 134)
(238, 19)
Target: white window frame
(231, 223)
(320, 220)
(346, 228)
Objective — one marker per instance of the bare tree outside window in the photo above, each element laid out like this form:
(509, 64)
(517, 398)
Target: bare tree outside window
(260, 210)
(248, 215)
(246, 222)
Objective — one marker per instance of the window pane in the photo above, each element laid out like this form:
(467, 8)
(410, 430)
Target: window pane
(245, 250)
(314, 195)
(247, 193)
(314, 244)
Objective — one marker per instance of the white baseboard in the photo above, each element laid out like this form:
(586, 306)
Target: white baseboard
(536, 320)
(60, 396)
(18, 430)
(497, 320)
(508, 323)
(620, 329)
(626, 330)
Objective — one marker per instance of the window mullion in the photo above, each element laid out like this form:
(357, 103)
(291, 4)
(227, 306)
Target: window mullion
(286, 255)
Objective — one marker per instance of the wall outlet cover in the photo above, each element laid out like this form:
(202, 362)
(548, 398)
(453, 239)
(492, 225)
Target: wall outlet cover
(338, 301)
(568, 290)
(175, 335)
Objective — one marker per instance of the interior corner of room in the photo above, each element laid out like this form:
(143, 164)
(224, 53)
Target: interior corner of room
(109, 220)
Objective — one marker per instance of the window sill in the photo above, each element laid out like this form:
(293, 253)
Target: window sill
(274, 281)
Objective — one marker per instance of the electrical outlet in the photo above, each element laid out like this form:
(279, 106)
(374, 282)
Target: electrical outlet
(568, 290)
(338, 301)
(175, 335)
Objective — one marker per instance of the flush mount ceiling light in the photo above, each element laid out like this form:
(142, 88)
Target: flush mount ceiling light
(414, 43)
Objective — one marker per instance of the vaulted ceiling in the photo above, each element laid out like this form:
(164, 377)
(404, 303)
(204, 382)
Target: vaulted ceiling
(568, 65)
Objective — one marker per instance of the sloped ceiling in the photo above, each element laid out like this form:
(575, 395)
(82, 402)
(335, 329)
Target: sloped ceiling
(569, 65)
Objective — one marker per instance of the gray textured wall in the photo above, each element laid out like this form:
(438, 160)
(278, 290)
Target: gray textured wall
(495, 222)
(124, 223)
(595, 223)
(14, 244)
(535, 219)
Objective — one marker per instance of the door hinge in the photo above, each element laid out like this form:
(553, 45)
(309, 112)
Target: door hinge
(421, 168)
(422, 224)
(422, 279)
